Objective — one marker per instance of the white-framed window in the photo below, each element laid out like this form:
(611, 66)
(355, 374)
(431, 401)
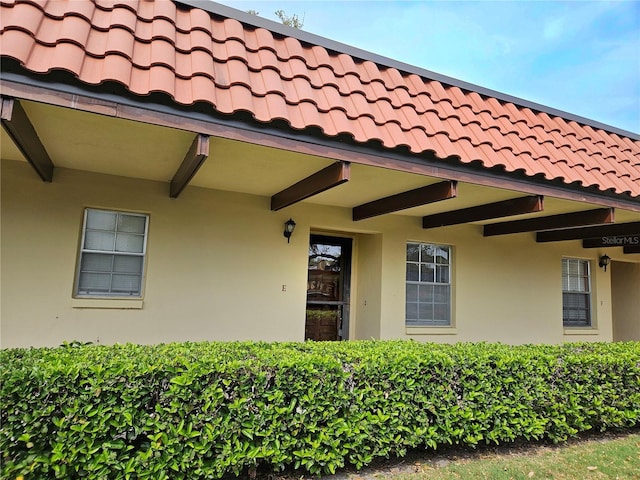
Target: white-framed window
(428, 300)
(576, 292)
(112, 254)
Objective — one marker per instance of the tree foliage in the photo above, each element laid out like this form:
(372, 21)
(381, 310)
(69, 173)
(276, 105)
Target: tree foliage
(290, 20)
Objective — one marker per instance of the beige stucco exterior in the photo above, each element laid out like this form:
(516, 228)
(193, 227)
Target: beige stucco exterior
(219, 268)
(625, 287)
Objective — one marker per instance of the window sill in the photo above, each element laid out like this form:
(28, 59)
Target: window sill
(581, 331)
(431, 330)
(121, 303)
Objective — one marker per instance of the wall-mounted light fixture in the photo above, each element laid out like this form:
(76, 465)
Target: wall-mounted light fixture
(604, 261)
(289, 227)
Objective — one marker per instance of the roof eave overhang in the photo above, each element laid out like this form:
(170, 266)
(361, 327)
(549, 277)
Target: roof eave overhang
(44, 89)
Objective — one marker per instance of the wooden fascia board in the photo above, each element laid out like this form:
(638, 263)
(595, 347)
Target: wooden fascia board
(505, 208)
(329, 177)
(575, 219)
(631, 249)
(18, 126)
(401, 201)
(109, 104)
(631, 228)
(193, 160)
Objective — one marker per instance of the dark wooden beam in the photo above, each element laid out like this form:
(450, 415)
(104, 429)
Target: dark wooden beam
(18, 126)
(617, 229)
(506, 208)
(631, 249)
(612, 241)
(82, 99)
(401, 201)
(329, 177)
(193, 160)
(575, 219)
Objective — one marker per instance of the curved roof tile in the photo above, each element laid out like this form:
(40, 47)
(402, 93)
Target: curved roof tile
(194, 56)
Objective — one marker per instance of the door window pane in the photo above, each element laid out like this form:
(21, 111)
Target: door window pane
(328, 288)
(323, 283)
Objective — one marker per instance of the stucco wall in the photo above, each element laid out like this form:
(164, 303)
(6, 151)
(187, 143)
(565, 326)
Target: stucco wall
(215, 270)
(217, 263)
(625, 282)
(369, 286)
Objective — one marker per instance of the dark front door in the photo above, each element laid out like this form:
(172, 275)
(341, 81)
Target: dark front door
(328, 288)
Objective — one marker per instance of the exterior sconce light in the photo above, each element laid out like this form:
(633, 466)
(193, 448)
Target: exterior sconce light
(604, 261)
(289, 227)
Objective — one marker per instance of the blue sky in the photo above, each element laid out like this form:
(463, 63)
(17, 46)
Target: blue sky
(582, 57)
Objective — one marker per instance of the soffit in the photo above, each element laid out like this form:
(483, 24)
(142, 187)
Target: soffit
(102, 144)
(8, 149)
(247, 168)
(193, 56)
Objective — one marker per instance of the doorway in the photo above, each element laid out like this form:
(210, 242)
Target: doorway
(328, 288)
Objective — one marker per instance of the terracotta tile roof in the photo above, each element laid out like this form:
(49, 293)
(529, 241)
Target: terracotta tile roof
(194, 56)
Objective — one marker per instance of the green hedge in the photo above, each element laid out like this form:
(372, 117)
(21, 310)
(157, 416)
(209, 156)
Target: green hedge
(202, 410)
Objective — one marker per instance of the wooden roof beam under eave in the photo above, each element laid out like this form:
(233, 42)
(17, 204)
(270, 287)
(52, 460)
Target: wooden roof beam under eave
(575, 219)
(631, 249)
(193, 160)
(18, 126)
(329, 177)
(505, 208)
(413, 198)
(616, 229)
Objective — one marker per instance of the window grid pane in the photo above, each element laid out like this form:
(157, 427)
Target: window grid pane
(576, 293)
(101, 220)
(98, 240)
(112, 256)
(428, 301)
(131, 223)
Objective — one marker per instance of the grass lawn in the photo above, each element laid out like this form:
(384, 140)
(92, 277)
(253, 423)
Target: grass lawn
(605, 456)
(597, 458)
